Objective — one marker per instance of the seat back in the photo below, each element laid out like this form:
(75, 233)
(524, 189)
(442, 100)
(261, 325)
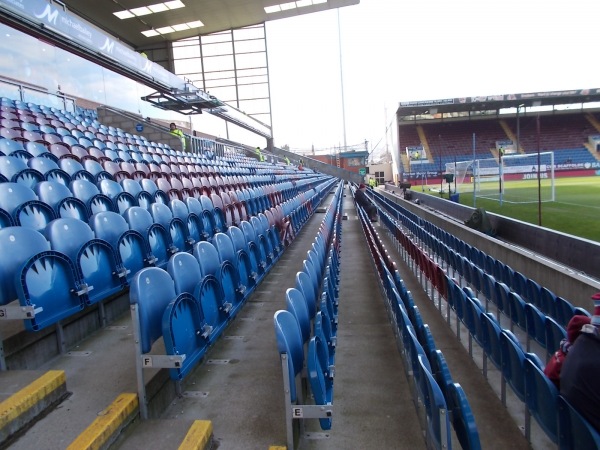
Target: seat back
(463, 420)
(185, 271)
(208, 258)
(574, 431)
(184, 331)
(541, 399)
(289, 342)
(152, 289)
(18, 246)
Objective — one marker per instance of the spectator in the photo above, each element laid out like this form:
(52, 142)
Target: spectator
(555, 363)
(362, 199)
(178, 133)
(580, 374)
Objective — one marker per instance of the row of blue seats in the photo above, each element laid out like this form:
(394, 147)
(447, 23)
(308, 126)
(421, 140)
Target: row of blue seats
(306, 331)
(479, 269)
(444, 401)
(190, 304)
(74, 264)
(125, 162)
(520, 368)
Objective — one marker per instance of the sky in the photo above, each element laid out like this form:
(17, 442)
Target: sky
(400, 50)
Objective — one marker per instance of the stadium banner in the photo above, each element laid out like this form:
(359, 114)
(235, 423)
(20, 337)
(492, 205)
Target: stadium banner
(50, 16)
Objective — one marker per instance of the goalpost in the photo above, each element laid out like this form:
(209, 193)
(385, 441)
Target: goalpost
(514, 180)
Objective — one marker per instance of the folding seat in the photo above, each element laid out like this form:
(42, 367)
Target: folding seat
(157, 237)
(75, 170)
(69, 140)
(211, 218)
(131, 247)
(554, 333)
(96, 262)
(152, 290)
(142, 198)
(88, 193)
(192, 222)
(115, 170)
(18, 149)
(43, 281)
(290, 348)
(245, 257)
(263, 239)
(62, 201)
(463, 421)
(185, 332)
(24, 206)
(517, 311)
(513, 363)
(243, 279)
(541, 399)
(195, 220)
(535, 326)
(179, 232)
(96, 169)
(80, 153)
(574, 430)
(121, 199)
(564, 311)
(157, 194)
(16, 170)
(270, 225)
(185, 272)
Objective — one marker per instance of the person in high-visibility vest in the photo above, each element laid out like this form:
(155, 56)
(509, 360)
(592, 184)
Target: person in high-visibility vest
(372, 182)
(287, 160)
(259, 154)
(177, 132)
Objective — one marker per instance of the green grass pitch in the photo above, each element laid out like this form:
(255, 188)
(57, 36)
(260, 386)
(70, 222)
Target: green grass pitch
(575, 211)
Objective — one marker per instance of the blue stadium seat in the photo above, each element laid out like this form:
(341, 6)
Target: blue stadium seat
(290, 348)
(517, 311)
(440, 371)
(121, 200)
(130, 245)
(320, 376)
(95, 260)
(152, 290)
(185, 271)
(463, 420)
(536, 326)
(256, 250)
(305, 285)
(244, 256)
(541, 399)
(75, 170)
(554, 333)
(178, 230)
(185, 332)
(24, 206)
(49, 169)
(143, 198)
(438, 432)
(574, 431)
(44, 281)
(156, 236)
(88, 193)
(296, 304)
(61, 199)
(209, 293)
(16, 170)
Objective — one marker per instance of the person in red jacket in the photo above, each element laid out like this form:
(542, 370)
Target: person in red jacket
(555, 363)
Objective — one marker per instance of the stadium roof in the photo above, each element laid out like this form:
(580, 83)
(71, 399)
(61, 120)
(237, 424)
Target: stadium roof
(497, 102)
(212, 15)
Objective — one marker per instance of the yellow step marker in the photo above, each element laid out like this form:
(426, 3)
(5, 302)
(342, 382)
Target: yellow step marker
(29, 396)
(198, 437)
(107, 423)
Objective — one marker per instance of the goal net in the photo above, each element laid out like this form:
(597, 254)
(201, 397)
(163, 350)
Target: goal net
(518, 179)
